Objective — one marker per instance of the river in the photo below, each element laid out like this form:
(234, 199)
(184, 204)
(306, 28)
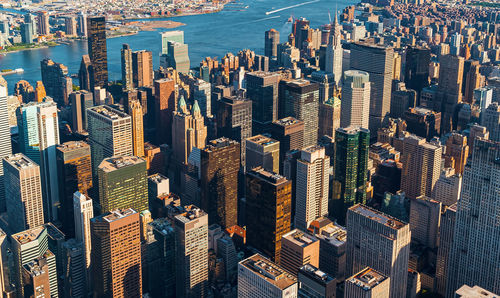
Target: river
(207, 35)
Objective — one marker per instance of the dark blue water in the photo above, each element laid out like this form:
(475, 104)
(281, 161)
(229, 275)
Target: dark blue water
(207, 35)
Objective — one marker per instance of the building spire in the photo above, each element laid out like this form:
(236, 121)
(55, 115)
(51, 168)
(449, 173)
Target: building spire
(181, 107)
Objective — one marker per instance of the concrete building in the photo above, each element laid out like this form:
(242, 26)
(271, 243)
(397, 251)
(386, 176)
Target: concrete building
(298, 249)
(83, 211)
(329, 117)
(262, 151)
(191, 230)
(165, 104)
(142, 68)
(449, 92)
(55, 80)
(80, 102)
(355, 104)
(259, 277)
(135, 111)
(23, 193)
(456, 152)
(491, 120)
(386, 251)
(75, 271)
(316, 283)
(116, 254)
(425, 220)
(289, 132)
(311, 186)
(448, 187)
(422, 122)
(368, 283)
(446, 233)
(127, 71)
(271, 41)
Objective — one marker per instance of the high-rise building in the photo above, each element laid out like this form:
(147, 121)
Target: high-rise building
(191, 234)
(416, 70)
(162, 281)
(234, 121)
(329, 117)
(165, 105)
(351, 165)
(267, 211)
(55, 80)
(326, 84)
(491, 120)
(312, 186)
(23, 193)
(96, 32)
(425, 219)
(446, 232)
(367, 283)
(259, 277)
(135, 111)
(202, 92)
(422, 122)
(35, 276)
(474, 256)
(334, 53)
(220, 164)
(176, 35)
(116, 254)
(300, 99)
(85, 73)
(80, 102)
(332, 247)
(421, 166)
(110, 134)
(378, 62)
(298, 248)
(28, 246)
(271, 41)
(289, 132)
(178, 56)
(75, 174)
(127, 71)
(456, 152)
(43, 23)
(5, 142)
(74, 271)
(355, 102)
(142, 68)
(449, 89)
(188, 130)
(448, 187)
(386, 251)
(466, 291)
(82, 24)
(39, 135)
(27, 34)
(123, 184)
(262, 151)
(315, 283)
(83, 211)
(402, 99)
(262, 90)
(70, 25)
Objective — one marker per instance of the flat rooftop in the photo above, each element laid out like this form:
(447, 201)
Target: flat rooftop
(262, 140)
(116, 163)
(367, 278)
(352, 130)
(213, 145)
(72, 145)
(266, 175)
(28, 235)
(190, 212)
(20, 161)
(108, 112)
(378, 216)
(269, 271)
(157, 178)
(316, 274)
(118, 214)
(300, 238)
(324, 229)
(288, 121)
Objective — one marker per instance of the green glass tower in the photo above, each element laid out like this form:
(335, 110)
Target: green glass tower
(351, 163)
(123, 184)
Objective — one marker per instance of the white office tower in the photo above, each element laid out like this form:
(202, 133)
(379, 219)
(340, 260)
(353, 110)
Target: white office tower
(355, 104)
(334, 53)
(475, 253)
(84, 211)
(258, 277)
(312, 186)
(381, 242)
(5, 143)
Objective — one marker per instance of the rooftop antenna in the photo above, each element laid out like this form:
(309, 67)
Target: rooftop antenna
(329, 17)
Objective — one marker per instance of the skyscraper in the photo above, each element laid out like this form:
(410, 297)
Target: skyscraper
(425, 218)
(491, 120)
(475, 257)
(355, 104)
(82, 24)
(290, 133)
(135, 111)
(315, 283)
(262, 151)
(268, 211)
(351, 164)
(27, 34)
(386, 251)
(421, 166)
(5, 143)
(203, 94)
(300, 99)
(334, 53)
(423, 122)
(96, 31)
(43, 23)
(123, 184)
(366, 284)
(262, 90)
(220, 163)
(312, 186)
(416, 70)
(448, 187)
(74, 271)
(271, 41)
(259, 277)
(298, 248)
(39, 135)
(85, 73)
(165, 105)
(456, 152)
(70, 25)
(116, 254)
(446, 230)
(189, 131)
(142, 68)
(75, 174)
(110, 134)
(127, 71)
(329, 117)
(80, 102)
(449, 93)
(175, 35)
(191, 234)
(23, 193)
(55, 80)
(178, 56)
(83, 211)
(378, 62)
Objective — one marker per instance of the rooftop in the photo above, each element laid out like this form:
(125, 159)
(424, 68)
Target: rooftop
(367, 278)
(300, 238)
(116, 163)
(118, 214)
(316, 274)
(266, 175)
(269, 271)
(72, 145)
(323, 228)
(28, 235)
(219, 143)
(288, 121)
(20, 161)
(157, 178)
(378, 216)
(189, 213)
(261, 140)
(352, 130)
(109, 112)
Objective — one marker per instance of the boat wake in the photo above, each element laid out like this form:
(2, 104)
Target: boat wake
(292, 6)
